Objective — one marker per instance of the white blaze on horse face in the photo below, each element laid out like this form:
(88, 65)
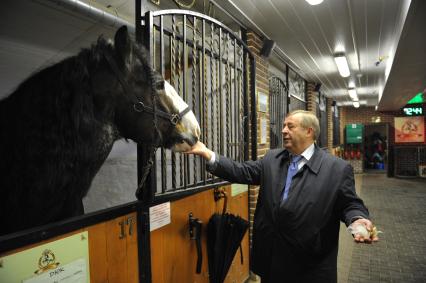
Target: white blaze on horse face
(188, 127)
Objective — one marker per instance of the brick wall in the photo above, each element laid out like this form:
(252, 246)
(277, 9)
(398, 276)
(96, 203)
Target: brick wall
(310, 99)
(365, 115)
(404, 164)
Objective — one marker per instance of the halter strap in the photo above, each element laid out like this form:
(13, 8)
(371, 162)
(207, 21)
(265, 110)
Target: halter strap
(138, 104)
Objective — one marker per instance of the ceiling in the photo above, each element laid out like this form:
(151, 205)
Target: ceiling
(36, 33)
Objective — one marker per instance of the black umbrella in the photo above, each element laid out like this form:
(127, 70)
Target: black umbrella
(224, 235)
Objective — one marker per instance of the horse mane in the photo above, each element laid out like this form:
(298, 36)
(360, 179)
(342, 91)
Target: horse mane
(58, 127)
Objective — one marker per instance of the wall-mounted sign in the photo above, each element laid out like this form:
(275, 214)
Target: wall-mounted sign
(237, 189)
(64, 260)
(409, 129)
(263, 130)
(159, 216)
(413, 110)
(354, 133)
(262, 102)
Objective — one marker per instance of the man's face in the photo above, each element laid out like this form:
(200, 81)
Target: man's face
(295, 138)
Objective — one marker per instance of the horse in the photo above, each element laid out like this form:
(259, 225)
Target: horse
(59, 125)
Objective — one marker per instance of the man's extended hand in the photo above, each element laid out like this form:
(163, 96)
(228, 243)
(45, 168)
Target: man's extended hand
(370, 236)
(200, 149)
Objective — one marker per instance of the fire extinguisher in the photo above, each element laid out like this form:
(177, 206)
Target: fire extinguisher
(358, 154)
(347, 155)
(352, 154)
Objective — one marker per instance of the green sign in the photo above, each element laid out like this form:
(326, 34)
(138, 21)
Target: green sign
(354, 133)
(416, 99)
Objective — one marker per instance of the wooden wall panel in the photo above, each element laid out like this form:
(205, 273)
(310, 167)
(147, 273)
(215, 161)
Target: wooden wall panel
(110, 259)
(116, 252)
(132, 250)
(174, 255)
(98, 253)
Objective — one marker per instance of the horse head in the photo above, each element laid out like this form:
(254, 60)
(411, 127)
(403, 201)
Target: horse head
(147, 108)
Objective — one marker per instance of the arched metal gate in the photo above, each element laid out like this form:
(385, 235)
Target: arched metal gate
(213, 71)
(210, 67)
(278, 93)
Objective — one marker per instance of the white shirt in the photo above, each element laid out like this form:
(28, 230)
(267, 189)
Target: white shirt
(306, 155)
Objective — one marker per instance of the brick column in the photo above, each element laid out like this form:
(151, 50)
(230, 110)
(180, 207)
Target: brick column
(255, 43)
(311, 95)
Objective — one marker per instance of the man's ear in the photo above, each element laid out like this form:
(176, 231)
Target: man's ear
(310, 132)
(123, 46)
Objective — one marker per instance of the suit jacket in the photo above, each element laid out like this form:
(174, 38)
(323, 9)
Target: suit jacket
(297, 240)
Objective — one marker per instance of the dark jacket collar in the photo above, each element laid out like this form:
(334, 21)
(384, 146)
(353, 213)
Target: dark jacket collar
(313, 164)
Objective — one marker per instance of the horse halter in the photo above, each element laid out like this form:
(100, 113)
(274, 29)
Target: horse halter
(138, 104)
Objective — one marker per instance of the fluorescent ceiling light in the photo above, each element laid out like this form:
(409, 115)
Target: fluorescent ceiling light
(353, 94)
(314, 2)
(356, 104)
(342, 64)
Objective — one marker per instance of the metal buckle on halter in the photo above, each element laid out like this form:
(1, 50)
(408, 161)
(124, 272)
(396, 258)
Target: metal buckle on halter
(175, 119)
(139, 107)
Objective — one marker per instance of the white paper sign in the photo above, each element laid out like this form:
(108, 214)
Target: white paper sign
(263, 130)
(159, 216)
(237, 189)
(73, 272)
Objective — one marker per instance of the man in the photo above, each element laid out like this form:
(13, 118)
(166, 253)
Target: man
(304, 194)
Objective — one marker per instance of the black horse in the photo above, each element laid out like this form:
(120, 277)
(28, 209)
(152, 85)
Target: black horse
(58, 127)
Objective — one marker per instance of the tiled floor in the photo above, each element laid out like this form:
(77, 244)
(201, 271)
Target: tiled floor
(398, 208)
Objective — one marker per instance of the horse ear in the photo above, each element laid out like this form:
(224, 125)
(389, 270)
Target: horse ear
(122, 44)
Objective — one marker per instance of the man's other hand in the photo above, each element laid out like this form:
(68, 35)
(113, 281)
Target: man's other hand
(365, 231)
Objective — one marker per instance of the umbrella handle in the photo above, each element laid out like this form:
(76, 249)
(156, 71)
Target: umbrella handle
(195, 234)
(218, 194)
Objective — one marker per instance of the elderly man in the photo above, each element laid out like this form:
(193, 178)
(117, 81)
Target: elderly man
(304, 194)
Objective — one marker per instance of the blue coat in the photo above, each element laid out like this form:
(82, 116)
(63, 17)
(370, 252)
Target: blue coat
(297, 240)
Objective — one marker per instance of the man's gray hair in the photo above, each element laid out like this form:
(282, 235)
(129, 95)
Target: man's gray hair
(308, 120)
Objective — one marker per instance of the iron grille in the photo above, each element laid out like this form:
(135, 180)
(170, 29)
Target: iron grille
(277, 110)
(297, 91)
(211, 68)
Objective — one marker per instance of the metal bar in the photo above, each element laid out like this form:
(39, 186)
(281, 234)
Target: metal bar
(185, 69)
(253, 108)
(173, 81)
(246, 109)
(236, 103)
(163, 73)
(144, 254)
(204, 95)
(220, 133)
(212, 80)
(194, 85)
(227, 96)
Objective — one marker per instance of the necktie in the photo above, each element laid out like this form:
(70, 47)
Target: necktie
(292, 170)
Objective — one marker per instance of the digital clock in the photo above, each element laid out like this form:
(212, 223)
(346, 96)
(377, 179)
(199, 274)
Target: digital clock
(413, 111)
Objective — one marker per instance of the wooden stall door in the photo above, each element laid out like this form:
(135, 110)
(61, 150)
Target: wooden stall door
(174, 254)
(113, 250)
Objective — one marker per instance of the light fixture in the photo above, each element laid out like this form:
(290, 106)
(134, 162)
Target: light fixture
(352, 93)
(342, 64)
(356, 104)
(314, 2)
